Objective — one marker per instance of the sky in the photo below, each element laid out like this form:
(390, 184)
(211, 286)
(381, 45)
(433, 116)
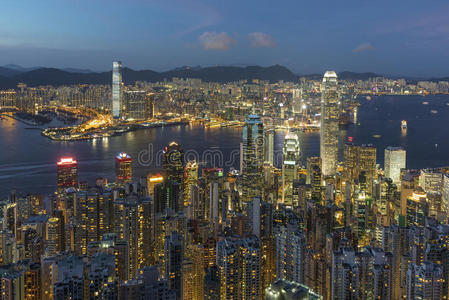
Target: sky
(394, 37)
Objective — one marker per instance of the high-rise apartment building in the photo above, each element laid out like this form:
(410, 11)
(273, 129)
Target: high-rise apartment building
(174, 256)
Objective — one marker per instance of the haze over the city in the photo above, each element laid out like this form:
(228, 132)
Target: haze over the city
(388, 37)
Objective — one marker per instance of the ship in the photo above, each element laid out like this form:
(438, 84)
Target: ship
(404, 124)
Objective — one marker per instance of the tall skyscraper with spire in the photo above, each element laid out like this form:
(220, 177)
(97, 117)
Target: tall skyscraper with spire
(330, 114)
(253, 149)
(290, 166)
(116, 88)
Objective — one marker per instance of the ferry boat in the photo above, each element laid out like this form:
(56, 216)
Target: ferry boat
(404, 124)
(434, 111)
(425, 103)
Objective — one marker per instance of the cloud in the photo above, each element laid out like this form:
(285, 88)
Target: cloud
(261, 40)
(363, 47)
(216, 41)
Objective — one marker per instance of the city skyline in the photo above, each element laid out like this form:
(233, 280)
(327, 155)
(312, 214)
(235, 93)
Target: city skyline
(381, 37)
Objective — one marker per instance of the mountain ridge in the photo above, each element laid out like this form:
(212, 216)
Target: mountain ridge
(9, 78)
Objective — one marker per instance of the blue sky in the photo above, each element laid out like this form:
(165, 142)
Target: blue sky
(391, 37)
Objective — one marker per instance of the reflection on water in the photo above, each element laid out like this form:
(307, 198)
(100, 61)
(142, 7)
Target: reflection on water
(28, 159)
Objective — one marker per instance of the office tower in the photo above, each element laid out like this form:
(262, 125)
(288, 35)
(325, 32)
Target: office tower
(253, 146)
(431, 180)
(67, 172)
(357, 159)
(116, 89)
(174, 256)
(290, 166)
(269, 147)
(394, 162)
(408, 185)
(167, 195)
(425, 281)
(123, 168)
(153, 179)
(417, 208)
(445, 193)
(330, 115)
(238, 261)
(287, 290)
(315, 177)
(383, 192)
(54, 236)
(345, 275)
(173, 163)
(190, 178)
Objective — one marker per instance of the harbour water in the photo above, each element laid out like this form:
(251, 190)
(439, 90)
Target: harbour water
(28, 160)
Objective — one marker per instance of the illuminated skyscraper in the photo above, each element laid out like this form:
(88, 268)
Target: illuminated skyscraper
(123, 168)
(358, 159)
(269, 147)
(173, 163)
(289, 166)
(190, 178)
(394, 162)
(330, 112)
(116, 88)
(153, 179)
(174, 255)
(67, 172)
(314, 176)
(239, 268)
(253, 148)
(54, 236)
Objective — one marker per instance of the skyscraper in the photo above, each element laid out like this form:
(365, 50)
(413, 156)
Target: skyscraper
(269, 147)
(358, 159)
(289, 166)
(253, 147)
(67, 172)
(394, 162)
(190, 178)
(330, 112)
(174, 255)
(116, 88)
(173, 163)
(123, 168)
